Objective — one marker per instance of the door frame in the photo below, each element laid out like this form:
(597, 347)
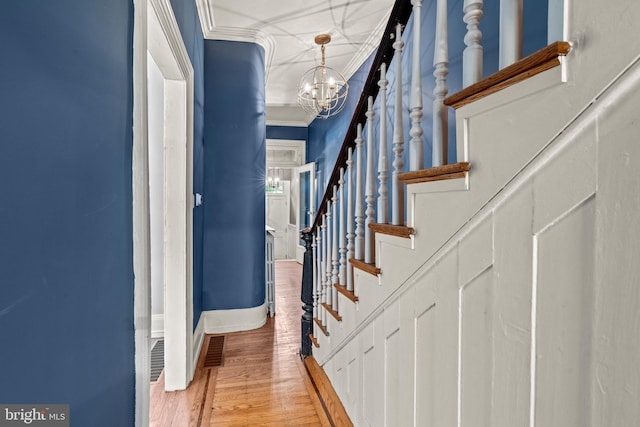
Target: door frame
(311, 168)
(156, 31)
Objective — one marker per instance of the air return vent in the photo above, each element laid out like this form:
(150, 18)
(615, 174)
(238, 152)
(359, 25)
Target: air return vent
(213, 357)
(157, 360)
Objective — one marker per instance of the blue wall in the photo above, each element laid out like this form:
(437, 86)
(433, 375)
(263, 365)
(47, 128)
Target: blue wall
(234, 176)
(187, 17)
(66, 273)
(326, 136)
(298, 133)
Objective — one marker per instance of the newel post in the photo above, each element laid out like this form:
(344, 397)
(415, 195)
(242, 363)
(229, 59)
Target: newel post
(307, 292)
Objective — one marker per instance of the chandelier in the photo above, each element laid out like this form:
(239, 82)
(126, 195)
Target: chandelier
(322, 91)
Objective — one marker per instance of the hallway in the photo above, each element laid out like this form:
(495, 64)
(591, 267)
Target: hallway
(262, 381)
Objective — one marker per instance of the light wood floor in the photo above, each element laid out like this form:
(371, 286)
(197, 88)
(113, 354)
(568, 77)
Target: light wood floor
(263, 381)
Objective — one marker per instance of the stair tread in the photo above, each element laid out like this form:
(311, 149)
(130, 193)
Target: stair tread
(393, 230)
(332, 312)
(321, 327)
(314, 340)
(349, 294)
(368, 268)
(435, 173)
(544, 59)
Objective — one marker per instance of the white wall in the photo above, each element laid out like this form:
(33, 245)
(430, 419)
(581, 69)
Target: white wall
(156, 198)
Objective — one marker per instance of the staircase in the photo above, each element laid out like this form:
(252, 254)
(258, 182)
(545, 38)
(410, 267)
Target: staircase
(500, 290)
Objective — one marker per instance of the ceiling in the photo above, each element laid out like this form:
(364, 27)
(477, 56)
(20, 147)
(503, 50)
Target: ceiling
(286, 29)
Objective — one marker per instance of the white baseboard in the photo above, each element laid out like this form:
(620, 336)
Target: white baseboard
(243, 319)
(157, 326)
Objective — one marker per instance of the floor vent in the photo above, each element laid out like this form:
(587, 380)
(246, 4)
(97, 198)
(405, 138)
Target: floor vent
(213, 357)
(157, 360)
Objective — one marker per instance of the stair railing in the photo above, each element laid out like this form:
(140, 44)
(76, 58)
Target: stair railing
(343, 242)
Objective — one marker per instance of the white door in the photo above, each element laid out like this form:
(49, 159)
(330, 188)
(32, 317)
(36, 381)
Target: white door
(277, 210)
(305, 211)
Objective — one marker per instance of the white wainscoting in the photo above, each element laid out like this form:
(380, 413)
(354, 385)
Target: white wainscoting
(526, 312)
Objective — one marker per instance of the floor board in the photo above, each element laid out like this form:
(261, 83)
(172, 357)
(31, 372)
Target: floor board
(262, 382)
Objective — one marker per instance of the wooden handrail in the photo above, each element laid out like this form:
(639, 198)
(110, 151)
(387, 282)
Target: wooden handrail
(399, 14)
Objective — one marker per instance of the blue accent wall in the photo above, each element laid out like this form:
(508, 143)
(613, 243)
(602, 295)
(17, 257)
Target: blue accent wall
(66, 270)
(326, 135)
(234, 176)
(189, 23)
(298, 133)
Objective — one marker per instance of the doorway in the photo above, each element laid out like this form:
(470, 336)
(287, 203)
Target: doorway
(284, 158)
(156, 34)
(170, 101)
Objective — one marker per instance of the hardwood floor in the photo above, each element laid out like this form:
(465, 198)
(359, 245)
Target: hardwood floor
(262, 382)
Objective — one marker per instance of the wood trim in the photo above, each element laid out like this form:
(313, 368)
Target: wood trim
(332, 312)
(367, 268)
(349, 294)
(437, 178)
(321, 327)
(435, 173)
(330, 401)
(393, 230)
(542, 60)
(314, 340)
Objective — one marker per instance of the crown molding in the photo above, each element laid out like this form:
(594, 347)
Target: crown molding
(287, 115)
(211, 32)
(368, 46)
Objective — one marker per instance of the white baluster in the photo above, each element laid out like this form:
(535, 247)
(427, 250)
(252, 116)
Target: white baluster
(383, 162)
(322, 272)
(440, 111)
(343, 233)
(329, 265)
(359, 255)
(335, 263)
(416, 147)
(350, 220)
(472, 55)
(510, 32)
(319, 272)
(315, 274)
(397, 188)
(369, 190)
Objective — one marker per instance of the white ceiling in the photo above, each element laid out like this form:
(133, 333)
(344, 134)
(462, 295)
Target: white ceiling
(286, 29)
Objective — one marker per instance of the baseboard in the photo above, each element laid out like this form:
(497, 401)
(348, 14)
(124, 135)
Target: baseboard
(328, 397)
(157, 326)
(198, 339)
(243, 319)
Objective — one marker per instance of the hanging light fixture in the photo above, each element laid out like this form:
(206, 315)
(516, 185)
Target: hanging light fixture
(322, 90)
